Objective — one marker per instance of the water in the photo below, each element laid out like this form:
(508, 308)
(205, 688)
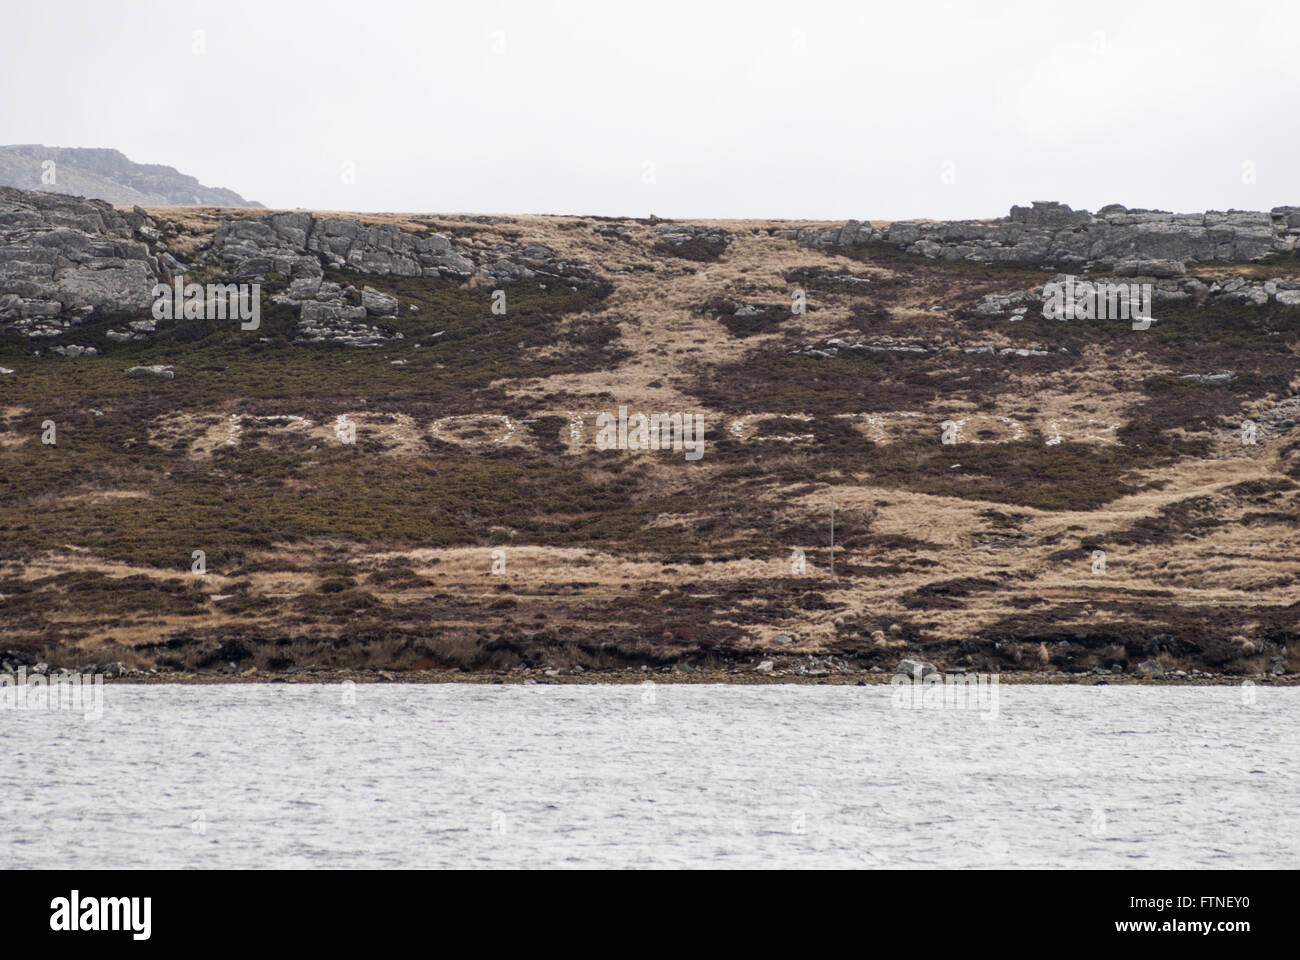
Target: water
(245, 776)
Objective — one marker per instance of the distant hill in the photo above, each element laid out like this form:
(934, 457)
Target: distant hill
(108, 175)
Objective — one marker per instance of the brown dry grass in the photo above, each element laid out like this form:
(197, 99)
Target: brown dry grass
(734, 519)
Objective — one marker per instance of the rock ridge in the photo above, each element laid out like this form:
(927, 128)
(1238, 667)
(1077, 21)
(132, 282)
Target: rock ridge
(1051, 233)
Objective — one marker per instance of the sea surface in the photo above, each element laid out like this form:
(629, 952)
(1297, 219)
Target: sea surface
(652, 776)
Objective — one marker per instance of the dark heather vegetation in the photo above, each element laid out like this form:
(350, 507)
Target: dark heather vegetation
(378, 555)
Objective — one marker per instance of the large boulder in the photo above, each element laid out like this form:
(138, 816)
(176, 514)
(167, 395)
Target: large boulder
(377, 303)
(916, 669)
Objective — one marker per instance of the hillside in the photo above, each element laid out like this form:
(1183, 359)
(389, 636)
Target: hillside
(103, 174)
(979, 456)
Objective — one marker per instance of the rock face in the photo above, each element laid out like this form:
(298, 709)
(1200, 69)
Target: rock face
(107, 175)
(1132, 242)
(1235, 290)
(300, 246)
(64, 258)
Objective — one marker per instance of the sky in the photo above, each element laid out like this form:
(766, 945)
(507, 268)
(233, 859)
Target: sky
(803, 110)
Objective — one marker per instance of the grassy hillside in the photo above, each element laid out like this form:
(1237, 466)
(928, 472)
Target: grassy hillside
(383, 553)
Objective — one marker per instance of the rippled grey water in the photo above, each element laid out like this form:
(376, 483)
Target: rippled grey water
(662, 776)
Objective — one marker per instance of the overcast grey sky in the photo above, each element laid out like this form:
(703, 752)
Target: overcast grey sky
(682, 109)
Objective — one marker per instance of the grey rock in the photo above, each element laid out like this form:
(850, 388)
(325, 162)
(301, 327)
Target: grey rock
(1049, 214)
(340, 323)
(170, 265)
(1150, 268)
(1054, 233)
(506, 271)
(304, 288)
(316, 312)
(378, 304)
(67, 257)
(1150, 668)
(678, 235)
(914, 668)
(1213, 379)
(299, 246)
(72, 351)
(160, 371)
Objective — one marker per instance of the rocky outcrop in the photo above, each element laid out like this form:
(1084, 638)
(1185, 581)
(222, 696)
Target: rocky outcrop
(1275, 418)
(692, 241)
(1235, 290)
(107, 175)
(64, 258)
(302, 247)
(1130, 242)
(835, 346)
(253, 248)
(298, 245)
(332, 313)
(339, 324)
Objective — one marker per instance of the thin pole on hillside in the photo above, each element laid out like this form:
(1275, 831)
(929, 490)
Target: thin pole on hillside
(832, 538)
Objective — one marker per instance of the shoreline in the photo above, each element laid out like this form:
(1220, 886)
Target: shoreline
(696, 677)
